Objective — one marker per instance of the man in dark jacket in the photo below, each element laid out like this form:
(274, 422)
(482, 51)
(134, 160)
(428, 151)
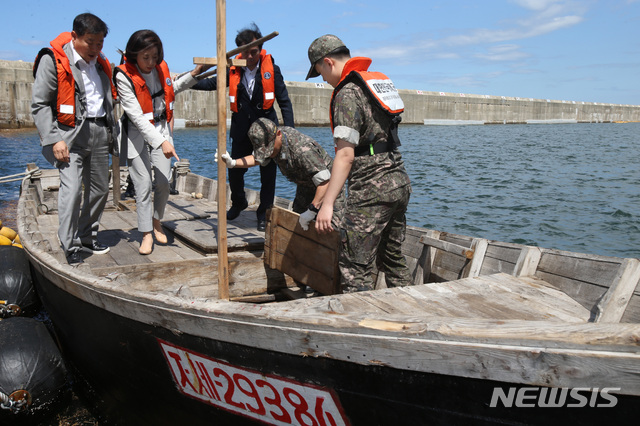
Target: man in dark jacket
(252, 92)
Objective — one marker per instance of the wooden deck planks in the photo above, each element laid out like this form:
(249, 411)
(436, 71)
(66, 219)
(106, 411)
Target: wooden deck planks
(202, 235)
(182, 208)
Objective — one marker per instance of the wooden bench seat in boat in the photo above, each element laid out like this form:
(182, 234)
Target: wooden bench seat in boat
(606, 286)
(486, 297)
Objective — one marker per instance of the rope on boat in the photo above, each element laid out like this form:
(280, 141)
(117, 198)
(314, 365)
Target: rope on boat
(16, 402)
(5, 401)
(182, 166)
(21, 176)
(9, 310)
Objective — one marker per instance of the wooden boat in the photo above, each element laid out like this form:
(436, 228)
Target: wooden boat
(491, 332)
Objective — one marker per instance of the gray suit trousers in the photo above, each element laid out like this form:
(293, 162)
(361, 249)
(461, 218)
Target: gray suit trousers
(88, 167)
(149, 165)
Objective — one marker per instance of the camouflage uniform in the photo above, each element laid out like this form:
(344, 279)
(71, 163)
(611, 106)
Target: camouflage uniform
(301, 160)
(304, 162)
(378, 188)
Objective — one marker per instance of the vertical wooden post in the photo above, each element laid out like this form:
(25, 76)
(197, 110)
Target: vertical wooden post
(221, 36)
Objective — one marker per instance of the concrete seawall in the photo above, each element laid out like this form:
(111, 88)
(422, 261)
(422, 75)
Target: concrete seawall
(311, 105)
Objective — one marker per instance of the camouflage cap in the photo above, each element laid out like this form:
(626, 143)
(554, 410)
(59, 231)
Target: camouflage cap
(320, 48)
(262, 134)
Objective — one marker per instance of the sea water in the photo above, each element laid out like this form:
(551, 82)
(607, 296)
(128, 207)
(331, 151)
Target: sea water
(571, 187)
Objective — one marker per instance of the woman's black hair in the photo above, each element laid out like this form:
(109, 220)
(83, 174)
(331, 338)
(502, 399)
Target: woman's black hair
(142, 40)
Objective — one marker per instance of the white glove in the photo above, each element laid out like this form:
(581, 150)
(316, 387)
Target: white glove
(231, 163)
(305, 218)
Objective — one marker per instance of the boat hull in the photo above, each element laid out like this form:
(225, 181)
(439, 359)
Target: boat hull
(146, 373)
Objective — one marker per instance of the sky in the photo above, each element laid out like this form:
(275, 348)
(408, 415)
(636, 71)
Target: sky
(575, 50)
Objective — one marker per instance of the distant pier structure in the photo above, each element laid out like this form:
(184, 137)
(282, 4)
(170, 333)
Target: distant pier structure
(311, 106)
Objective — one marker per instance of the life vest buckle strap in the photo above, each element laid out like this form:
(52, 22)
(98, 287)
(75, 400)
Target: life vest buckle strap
(159, 118)
(376, 148)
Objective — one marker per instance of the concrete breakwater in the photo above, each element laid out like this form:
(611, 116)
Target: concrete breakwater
(311, 105)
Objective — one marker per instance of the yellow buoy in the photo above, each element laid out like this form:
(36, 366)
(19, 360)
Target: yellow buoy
(16, 240)
(4, 241)
(8, 232)
(17, 245)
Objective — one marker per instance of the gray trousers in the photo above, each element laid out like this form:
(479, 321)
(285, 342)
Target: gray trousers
(88, 167)
(142, 177)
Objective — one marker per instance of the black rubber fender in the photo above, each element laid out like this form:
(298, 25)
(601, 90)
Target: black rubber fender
(16, 284)
(30, 361)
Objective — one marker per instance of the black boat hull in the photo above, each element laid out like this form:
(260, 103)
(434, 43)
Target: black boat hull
(125, 367)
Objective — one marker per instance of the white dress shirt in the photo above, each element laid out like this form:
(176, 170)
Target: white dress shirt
(249, 79)
(92, 85)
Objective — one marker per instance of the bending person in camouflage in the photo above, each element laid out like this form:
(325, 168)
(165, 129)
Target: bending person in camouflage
(300, 159)
(365, 109)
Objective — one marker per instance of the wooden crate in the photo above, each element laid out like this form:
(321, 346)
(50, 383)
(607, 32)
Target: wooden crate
(306, 256)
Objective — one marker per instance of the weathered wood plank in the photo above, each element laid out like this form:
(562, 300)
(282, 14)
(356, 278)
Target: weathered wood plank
(184, 209)
(593, 269)
(198, 278)
(306, 256)
(632, 313)
(110, 220)
(446, 246)
(129, 219)
(613, 304)
(124, 247)
(527, 262)
(479, 247)
(498, 296)
(500, 257)
(202, 234)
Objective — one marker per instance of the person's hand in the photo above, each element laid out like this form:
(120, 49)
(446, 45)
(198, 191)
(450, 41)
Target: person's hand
(305, 218)
(61, 152)
(231, 163)
(169, 151)
(199, 69)
(323, 220)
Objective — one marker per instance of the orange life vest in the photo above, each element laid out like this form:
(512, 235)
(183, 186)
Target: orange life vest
(66, 102)
(376, 85)
(382, 92)
(268, 82)
(144, 95)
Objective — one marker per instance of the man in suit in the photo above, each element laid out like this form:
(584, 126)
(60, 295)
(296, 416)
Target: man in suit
(72, 107)
(252, 92)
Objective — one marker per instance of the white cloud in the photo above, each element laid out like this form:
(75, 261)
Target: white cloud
(534, 4)
(545, 17)
(31, 42)
(10, 55)
(505, 52)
